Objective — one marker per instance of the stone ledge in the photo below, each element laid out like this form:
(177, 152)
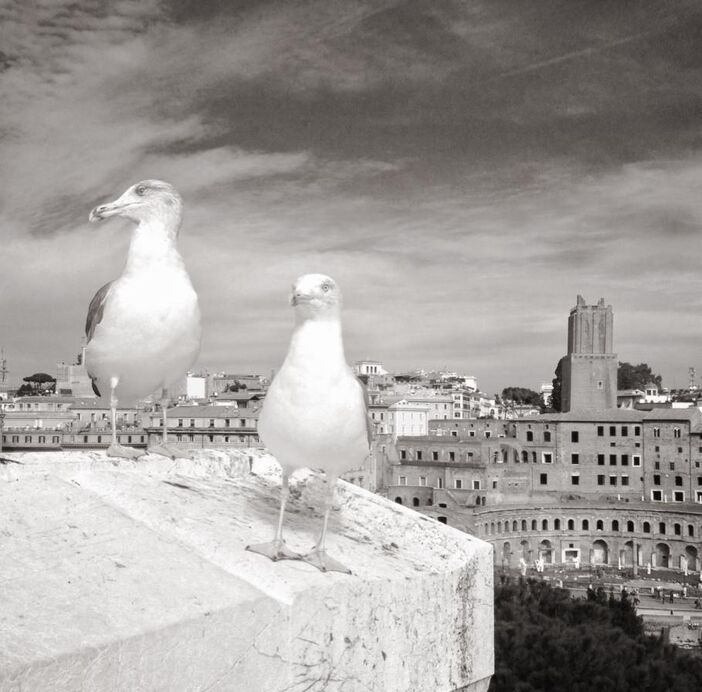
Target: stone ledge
(134, 577)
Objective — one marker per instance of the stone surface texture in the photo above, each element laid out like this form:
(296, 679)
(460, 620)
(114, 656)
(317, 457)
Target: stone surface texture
(133, 576)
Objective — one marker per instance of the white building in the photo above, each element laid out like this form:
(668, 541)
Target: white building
(408, 419)
(369, 367)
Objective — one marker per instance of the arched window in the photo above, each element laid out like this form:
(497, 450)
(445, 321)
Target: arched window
(600, 525)
(571, 525)
(586, 524)
(477, 500)
(615, 525)
(557, 524)
(690, 530)
(525, 456)
(661, 527)
(499, 527)
(630, 526)
(544, 525)
(677, 529)
(646, 527)
(533, 524)
(524, 525)
(533, 457)
(430, 502)
(492, 528)
(514, 525)
(398, 500)
(442, 520)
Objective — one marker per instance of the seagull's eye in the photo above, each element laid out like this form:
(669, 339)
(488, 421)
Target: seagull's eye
(141, 190)
(326, 288)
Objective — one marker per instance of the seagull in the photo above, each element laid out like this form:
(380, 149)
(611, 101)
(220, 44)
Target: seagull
(143, 328)
(315, 413)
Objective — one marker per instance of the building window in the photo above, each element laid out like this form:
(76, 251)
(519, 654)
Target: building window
(476, 485)
(419, 455)
(524, 525)
(637, 430)
(612, 480)
(574, 436)
(656, 479)
(672, 465)
(676, 432)
(458, 484)
(615, 525)
(625, 480)
(646, 527)
(679, 496)
(415, 502)
(574, 458)
(630, 526)
(212, 422)
(547, 458)
(192, 422)
(612, 459)
(557, 524)
(678, 480)
(677, 529)
(656, 432)
(435, 456)
(600, 431)
(422, 480)
(657, 465)
(625, 460)
(575, 479)
(439, 483)
(661, 527)
(543, 479)
(636, 460)
(452, 456)
(656, 495)
(690, 530)
(530, 436)
(612, 430)
(586, 525)
(180, 422)
(600, 479)
(402, 480)
(600, 525)
(547, 436)
(533, 524)
(625, 431)
(544, 524)
(403, 454)
(600, 459)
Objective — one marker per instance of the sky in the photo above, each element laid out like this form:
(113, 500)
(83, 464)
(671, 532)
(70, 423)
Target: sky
(463, 169)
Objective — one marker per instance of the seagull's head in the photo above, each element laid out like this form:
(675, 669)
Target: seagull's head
(148, 200)
(315, 295)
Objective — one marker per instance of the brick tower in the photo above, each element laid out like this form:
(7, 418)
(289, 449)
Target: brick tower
(589, 371)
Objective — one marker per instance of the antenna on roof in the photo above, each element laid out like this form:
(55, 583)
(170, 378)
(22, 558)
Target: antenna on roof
(3, 366)
(692, 375)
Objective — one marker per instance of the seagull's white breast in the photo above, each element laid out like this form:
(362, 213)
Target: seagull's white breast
(314, 413)
(150, 331)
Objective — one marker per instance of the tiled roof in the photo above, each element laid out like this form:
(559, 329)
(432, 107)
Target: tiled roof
(613, 415)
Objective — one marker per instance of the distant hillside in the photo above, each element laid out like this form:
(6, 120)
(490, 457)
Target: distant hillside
(545, 641)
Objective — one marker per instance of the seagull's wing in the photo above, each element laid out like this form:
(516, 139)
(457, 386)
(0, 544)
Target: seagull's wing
(95, 311)
(369, 421)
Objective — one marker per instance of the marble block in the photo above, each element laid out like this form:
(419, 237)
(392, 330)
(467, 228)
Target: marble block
(133, 576)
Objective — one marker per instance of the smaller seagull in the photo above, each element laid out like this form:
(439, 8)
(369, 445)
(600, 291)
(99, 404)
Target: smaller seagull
(143, 328)
(314, 414)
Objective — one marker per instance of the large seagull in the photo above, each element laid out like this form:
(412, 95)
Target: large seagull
(143, 328)
(314, 414)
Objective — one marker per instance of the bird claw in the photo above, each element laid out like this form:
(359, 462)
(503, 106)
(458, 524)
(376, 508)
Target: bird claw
(123, 452)
(324, 563)
(275, 550)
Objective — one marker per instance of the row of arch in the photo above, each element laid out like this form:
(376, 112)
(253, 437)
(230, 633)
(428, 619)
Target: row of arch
(615, 525)
(600, 553)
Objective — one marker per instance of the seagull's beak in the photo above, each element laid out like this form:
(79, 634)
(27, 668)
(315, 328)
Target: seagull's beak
(104, 211)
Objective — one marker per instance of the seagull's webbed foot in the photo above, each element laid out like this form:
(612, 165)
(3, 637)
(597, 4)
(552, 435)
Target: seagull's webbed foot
(117, 450)
(166, 450)
(324, 562)
(275, 550)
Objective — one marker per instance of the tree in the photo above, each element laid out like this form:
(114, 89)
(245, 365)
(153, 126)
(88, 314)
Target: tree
(37, 384)
(521, 395)
(557, 382)
(636, 376)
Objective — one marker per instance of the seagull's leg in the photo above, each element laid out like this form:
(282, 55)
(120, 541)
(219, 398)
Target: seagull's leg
(318, 555)
(164, 449)
(277, 549)
(115, 449)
